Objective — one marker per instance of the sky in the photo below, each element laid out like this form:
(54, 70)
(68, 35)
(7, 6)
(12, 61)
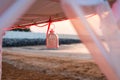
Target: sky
(95, 23)
(61, 27)
(65, 27)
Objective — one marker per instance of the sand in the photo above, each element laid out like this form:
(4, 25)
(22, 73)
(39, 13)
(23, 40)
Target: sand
(30, 67)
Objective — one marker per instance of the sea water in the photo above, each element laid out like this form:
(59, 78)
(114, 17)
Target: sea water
(31, 35)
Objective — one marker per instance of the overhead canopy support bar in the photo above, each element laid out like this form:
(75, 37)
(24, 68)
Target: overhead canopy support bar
(9, 17)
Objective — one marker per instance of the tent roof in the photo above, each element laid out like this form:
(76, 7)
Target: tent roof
(41, 11)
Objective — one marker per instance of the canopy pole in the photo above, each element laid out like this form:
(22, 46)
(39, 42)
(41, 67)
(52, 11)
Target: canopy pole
(2, 33)
(9, 17)
(89, 38)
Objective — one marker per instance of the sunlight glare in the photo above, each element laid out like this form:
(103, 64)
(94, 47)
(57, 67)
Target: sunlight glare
(94, 21)
(61, 27)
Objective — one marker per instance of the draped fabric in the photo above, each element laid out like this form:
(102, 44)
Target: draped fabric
(41, 11)
(116, 9)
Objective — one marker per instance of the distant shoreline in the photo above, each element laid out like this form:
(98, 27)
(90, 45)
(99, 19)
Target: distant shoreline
(19, 38)
(31, 42)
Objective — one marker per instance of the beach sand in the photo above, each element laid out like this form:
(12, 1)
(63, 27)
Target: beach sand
(69, 62)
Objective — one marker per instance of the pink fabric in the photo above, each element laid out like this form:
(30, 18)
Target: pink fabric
(116, 9)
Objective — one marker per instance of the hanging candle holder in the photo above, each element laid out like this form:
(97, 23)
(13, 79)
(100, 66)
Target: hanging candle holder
(52, 40)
